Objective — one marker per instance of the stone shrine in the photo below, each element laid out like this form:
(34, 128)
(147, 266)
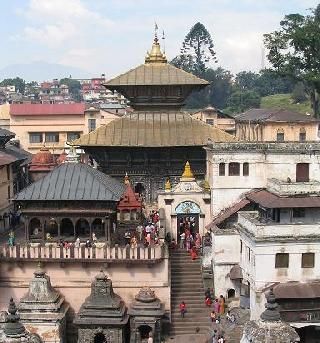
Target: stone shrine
(44, 308)
(103, 316)
(146, 314)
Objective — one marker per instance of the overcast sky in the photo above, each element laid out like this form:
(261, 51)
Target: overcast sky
(111, 36)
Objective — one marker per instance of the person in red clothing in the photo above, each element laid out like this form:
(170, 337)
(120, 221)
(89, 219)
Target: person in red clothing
(208, 301)
(183, 309)
(194, 253)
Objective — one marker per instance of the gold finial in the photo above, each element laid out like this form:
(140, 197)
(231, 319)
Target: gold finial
(206, 186)
(126, 179)
(155, 55)
(187, 173)
(167, 186)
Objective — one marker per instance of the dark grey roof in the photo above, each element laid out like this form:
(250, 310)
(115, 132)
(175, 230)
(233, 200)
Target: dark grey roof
(6, 133)
(273, 115)
(73, 181)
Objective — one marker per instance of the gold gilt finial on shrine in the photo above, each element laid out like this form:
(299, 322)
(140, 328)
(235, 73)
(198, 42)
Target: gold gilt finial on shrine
(187, 173)
(155, 56)
(167, 186)
(126, 179)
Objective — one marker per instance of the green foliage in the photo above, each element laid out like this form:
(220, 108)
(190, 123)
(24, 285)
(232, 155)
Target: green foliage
(74, 87)
(196, 52)
(17, 82)
(284, 101)
(294, 50)
(241, 101)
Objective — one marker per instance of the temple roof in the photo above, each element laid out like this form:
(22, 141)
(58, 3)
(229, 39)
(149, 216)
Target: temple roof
(43, 160)
(154, 129)
(73, 181)
(129, 199)
(155, 75)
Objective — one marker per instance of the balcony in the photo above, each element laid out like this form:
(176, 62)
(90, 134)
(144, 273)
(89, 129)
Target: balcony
(250, 223)
(101, 253)
(284, 188)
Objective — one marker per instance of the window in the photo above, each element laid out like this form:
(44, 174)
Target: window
(307, 260)
(282, 261)
(302, 172)
(210, 121)
(35, 137)
(298, 212)
(52, 137)
(234, 169)
(280, 135)
(71, 136)
(222, 169)
(245, 169)
(302, 135)
(91, 124)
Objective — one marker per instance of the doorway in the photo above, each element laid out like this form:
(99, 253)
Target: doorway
(187, 221)
(302, 172)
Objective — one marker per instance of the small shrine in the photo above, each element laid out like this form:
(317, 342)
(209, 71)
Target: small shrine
(185, 205)
(14, 331)
(44, 308)
(103, 316)
(129, 211)
(269, 328)
(146, 314)
(41, 164)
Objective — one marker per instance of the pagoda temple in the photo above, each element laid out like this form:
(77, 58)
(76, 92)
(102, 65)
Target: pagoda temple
(157, 138)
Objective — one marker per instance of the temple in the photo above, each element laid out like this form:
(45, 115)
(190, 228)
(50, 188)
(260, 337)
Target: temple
(158, 137)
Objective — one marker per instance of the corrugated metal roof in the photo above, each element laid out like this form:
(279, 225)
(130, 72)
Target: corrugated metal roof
(156, 74)
(297, 290)
(47, 109)
(154, 129)
(273, 115)
(74, 181)
(269, 200)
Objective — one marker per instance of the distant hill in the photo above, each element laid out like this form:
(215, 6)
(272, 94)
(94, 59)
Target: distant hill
(284, 101)
(40, 71)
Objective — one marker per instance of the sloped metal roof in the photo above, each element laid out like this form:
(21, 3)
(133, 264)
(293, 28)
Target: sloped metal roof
(154, 129)
(155, 74)
(73, 181)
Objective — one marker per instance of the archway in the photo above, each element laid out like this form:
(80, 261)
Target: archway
(82, 228)
(35, 229)
(144, 331)
(231, 293)
(51, 228)
(99, 338)
(66, 228)
(98, 227)
(187, 217)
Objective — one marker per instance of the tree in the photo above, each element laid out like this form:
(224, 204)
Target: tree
(294, 50)
(246, 80)
(299, 93)
(17, 82)
(241, 101)
(74, 87)
(196, 52)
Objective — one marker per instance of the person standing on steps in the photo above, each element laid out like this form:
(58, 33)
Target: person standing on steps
(183, 309)
(222, 304)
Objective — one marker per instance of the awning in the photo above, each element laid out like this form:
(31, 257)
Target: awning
(297, 290)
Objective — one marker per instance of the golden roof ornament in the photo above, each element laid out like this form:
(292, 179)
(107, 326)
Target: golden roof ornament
(155, 56)
(187, 173)
(167, 186)
(126, 179)
(206, 186)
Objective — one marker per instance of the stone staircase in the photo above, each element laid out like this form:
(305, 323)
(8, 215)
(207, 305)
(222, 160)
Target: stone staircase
(187, 286)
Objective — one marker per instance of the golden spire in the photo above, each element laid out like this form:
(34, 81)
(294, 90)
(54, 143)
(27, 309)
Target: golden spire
(155, 56)
(167, 186)
(187, 173)
(126, 179)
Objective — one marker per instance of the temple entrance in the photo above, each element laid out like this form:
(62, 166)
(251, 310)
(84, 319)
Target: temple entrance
(144, 331)
(139, 188)
(187, 218)
(51, 229)
(100, 338)
(35, 229)
(82, 228)
(66, 228)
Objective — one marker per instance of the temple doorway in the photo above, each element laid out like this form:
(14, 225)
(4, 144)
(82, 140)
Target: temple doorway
(144, 331)
(82, 228)
(35, 229)
(187, 218)
(139, 188)
(100, 338)
(66, 228)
